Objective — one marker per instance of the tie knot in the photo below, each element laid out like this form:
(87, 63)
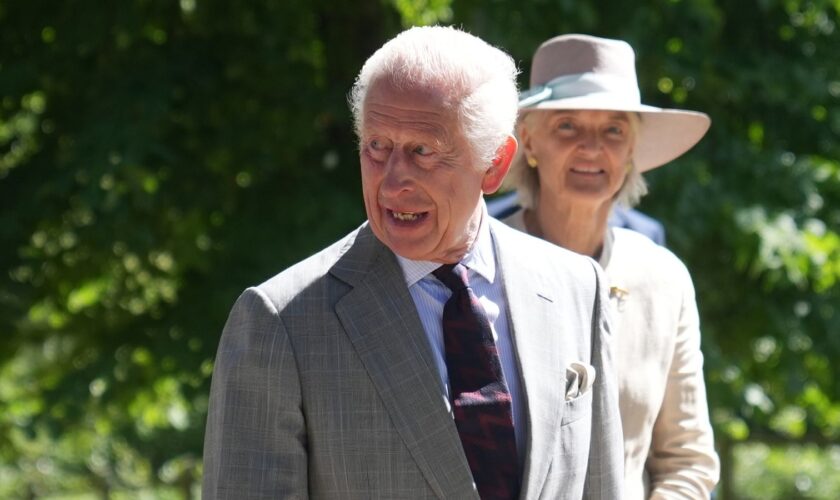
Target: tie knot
(454, 276)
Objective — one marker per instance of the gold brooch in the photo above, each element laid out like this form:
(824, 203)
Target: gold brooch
(620, 296)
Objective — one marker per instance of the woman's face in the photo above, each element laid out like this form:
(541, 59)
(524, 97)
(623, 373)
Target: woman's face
(582, 155)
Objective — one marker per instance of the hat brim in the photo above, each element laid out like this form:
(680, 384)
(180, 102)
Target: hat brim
(664, 134)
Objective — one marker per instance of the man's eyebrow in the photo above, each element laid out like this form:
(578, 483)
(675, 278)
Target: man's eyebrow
(430, 130)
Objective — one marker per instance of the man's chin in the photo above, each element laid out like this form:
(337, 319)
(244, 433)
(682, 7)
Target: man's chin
(415, 252)
(409, 252)
(413, 249)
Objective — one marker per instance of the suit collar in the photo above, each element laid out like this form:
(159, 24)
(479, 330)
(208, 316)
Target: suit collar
(381, 320)
(358, 255)
(534, 327)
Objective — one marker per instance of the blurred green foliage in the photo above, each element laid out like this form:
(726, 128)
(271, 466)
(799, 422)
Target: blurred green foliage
(764, 472)
(156, 157)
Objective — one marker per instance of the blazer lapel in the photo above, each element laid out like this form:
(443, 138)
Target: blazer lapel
(381, 320)
(532, 312)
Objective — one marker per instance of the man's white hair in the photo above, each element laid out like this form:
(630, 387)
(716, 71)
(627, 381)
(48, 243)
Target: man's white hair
(479, 80)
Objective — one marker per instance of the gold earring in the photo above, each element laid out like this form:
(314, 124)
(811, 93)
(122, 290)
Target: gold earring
(532, 162)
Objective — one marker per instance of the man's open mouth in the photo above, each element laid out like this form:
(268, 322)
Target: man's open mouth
(407, 216)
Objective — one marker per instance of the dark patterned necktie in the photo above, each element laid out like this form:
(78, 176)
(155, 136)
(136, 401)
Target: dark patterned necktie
(480, 398)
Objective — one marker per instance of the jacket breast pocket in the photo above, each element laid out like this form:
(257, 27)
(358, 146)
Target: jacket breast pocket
(575, 437)
(577, 408)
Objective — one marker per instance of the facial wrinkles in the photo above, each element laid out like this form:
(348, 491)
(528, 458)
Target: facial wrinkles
(404, 120)
(407, 134)
(457, 240)
(586, 139)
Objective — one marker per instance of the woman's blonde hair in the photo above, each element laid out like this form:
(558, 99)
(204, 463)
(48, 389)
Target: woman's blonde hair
(526, 181)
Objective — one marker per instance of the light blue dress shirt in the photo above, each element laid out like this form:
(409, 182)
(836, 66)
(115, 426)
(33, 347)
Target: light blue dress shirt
(430, 295)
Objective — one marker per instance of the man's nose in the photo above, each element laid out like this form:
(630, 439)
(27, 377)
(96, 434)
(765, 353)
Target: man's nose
(398, 174)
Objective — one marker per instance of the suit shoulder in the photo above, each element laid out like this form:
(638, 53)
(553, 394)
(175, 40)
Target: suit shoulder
(546, 256)
(297, 278)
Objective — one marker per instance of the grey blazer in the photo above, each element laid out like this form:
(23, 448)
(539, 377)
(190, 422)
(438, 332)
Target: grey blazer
(325, 387)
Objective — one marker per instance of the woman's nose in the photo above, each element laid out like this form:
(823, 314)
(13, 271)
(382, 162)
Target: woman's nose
(590, 142)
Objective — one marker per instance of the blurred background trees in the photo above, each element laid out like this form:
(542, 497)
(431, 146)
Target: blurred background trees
(158, 157)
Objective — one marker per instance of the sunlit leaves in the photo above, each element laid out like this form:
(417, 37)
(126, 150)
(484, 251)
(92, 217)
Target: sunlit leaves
(19, 129)
(816, 17)
(764, 471)
(665, 85)
(755, 133)
(423, 12)
(86, 295)
(156, 159)
(790, 421)
(674, 45)
(162, 407)
(790, 253)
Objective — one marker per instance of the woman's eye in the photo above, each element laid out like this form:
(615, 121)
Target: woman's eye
(376, 144)
(616, 131)
(565, 125)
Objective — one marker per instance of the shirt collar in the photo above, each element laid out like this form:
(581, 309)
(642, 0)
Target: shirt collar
(481, 258)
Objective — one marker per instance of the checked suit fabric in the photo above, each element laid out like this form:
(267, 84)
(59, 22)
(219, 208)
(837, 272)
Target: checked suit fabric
(480, 398)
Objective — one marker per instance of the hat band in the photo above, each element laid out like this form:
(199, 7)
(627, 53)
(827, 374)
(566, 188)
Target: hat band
(581, 85)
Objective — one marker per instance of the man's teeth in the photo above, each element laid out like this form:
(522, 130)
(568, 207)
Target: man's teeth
(406, 215)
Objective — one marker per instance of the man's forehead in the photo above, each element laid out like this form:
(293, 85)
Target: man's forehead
(411, 127)
(437, 94)
(419, 108)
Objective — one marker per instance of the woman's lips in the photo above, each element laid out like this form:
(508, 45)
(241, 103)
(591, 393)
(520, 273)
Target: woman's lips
(587, 170)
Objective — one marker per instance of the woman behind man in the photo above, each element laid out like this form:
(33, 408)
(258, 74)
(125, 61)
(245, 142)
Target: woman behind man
(585, 139)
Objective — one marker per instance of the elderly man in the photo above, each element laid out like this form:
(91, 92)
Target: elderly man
(432, 352)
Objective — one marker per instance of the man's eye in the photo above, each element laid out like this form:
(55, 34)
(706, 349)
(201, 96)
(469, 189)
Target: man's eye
(565, 125)
(377, 149)
(422, 150)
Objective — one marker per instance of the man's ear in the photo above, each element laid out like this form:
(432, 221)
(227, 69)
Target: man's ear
(499, 167)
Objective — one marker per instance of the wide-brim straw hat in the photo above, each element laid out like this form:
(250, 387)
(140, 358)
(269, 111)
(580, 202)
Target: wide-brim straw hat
(587, 72)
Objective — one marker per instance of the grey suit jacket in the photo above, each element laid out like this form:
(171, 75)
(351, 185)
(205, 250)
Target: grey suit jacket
(325, 386)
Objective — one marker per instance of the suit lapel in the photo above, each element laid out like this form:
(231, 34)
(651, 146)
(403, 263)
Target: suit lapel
(381, 320)
(532, 309)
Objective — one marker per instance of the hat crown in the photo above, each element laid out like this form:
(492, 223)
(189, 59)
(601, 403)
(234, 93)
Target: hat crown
(566, 55)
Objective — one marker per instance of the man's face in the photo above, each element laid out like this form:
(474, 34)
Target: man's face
(420, 179)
